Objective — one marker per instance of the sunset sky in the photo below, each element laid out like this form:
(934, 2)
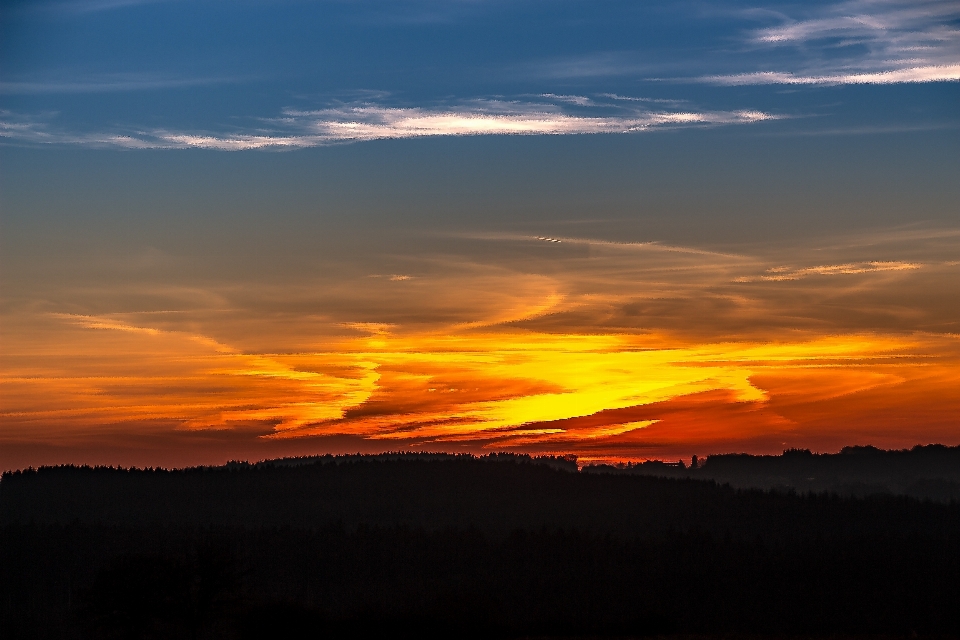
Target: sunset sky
(617, 229)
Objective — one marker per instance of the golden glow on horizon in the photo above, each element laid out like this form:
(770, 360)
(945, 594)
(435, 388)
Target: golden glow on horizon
(610, 351)
(602, 396)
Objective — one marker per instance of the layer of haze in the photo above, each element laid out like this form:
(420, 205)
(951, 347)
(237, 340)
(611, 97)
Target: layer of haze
(214, 260)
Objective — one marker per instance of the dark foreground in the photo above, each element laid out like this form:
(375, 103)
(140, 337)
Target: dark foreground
(459, 547)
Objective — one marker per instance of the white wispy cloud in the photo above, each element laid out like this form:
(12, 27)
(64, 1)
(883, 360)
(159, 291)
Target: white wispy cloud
(861, 42)
(934, 73)
(779, 274)
(360, 122)
(582, 101)
(615, 96)
(375, 122)
(887, 20)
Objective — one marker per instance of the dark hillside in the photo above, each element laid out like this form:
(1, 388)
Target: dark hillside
(930, 472)
(496, 494)
(456, 546)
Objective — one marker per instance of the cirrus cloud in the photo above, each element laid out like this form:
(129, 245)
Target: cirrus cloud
(859, 42)
(370, 121)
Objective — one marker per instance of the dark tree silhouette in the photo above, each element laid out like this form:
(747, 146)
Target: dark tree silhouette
(456, 546)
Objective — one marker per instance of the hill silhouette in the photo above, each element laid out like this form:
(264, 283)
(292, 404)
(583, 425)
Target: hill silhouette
(930, 472)
(459, 546)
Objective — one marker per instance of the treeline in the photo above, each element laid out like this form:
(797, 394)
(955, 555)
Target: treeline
(496, 494)
(456, 546)
(930, 472)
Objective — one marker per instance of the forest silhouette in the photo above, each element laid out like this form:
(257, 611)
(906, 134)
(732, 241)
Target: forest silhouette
(417, 545)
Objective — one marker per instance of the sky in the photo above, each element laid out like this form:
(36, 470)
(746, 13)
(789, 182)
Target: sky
(617, 230)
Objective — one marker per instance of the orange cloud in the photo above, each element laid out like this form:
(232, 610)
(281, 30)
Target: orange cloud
(611, 351)
(604, 397)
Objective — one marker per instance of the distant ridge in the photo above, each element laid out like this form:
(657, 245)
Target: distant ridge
(929, 472)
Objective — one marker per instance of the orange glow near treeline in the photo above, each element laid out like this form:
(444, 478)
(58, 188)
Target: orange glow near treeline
(601, 397)
(609, 357)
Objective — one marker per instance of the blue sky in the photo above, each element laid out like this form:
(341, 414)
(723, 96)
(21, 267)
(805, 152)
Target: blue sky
(240, 75)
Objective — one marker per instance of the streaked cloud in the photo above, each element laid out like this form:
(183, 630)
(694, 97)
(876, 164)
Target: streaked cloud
(499, 118)
(858, 42)
(890, 21)
(936, 73)
(614, 96)
(602, 396)
(368, 121)
(778, 274)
